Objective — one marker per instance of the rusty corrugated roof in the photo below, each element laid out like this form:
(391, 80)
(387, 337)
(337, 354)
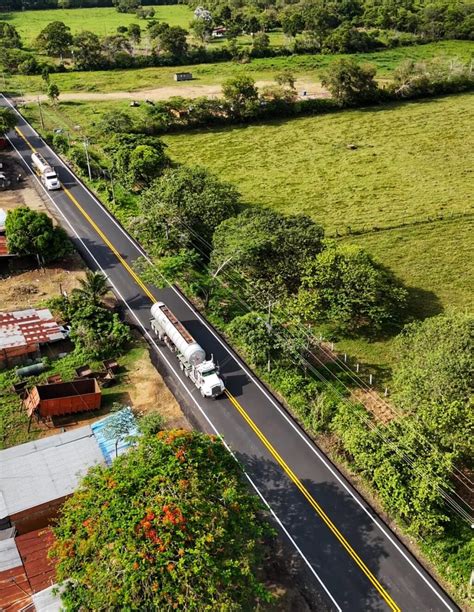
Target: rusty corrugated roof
(23, 327)
(33, 548)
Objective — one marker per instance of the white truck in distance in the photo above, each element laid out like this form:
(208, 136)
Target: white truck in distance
(45, 171)
(192, 358)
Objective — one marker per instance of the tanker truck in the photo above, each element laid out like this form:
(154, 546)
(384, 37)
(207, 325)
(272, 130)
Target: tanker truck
(45, 171)
(203, 372)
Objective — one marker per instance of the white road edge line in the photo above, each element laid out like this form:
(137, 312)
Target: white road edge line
(175, 372)
(255, 381)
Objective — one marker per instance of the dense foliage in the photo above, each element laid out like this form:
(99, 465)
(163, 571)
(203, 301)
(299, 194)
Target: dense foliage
(33, 233)
(345, 287)
(184, 206)
(8, 120)
(170, 525)
(434, 379)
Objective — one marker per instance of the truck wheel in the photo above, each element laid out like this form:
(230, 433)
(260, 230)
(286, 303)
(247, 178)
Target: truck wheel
(202, 393)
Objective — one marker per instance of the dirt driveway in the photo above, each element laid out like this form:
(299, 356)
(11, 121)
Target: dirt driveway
(185, 91)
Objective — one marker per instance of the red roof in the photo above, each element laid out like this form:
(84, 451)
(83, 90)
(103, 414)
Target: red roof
(3, 245)
(30, 326)
(14, 589)
(33, 548)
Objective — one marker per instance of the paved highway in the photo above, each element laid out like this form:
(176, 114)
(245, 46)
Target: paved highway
(355, 561)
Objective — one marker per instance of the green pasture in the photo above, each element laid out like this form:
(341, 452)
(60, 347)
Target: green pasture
(102, 21)
(306, 67)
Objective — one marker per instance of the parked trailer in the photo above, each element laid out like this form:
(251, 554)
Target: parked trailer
(62, 398)
(203, 372)
(45, 171)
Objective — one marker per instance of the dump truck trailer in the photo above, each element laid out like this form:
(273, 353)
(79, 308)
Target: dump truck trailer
(204, 373)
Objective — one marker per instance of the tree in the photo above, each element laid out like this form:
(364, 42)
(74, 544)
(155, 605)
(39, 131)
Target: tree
(170, 40)
(137, 159)
(292, 21)
(116, 44)
(255, 336)
(183, 207)
(93, 287)
(87, 51)
(266, 249)
(286, 78)
(55, 39)
(8, 120)
(134, 33)
(119, 425)
(175, 522)
(201, 29)
(32, 233)
(115, 122)
(9, 36)
(349, 82)
(345, 287)
(127, 6)
(242, 95)
(53, 93)
(433, 379)
(260, 43)
(320, 17)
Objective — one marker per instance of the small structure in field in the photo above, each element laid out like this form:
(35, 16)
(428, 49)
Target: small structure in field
(183, 76)
(62, 398)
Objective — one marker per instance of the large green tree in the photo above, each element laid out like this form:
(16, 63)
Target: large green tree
(87, 51)
(55, 39)
(344, 287)
(170, 525)
(33, 233)
(241, 94)
(9, 36)
(137, 159)
(434, 379)
(263, 252)
(184, 206)
(350, 82)
(8, 120)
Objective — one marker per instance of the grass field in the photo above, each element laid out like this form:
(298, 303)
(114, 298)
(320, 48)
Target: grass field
(102, 21)
(303, 66)
(411, 174)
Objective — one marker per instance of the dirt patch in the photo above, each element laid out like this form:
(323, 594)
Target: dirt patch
(148, 393)
(313, 90)
(28, 289)
(23, 193)
(375, 404)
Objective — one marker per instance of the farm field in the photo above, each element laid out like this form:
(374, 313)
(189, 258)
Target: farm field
(410, 176)
(303, 66)
(101, 21)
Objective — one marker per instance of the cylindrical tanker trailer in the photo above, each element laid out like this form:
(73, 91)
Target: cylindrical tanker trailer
(192, 357)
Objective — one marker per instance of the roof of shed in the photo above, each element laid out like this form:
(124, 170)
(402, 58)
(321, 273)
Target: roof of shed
(44, 470)
(22, 327)
(14, 586)
(33, 548)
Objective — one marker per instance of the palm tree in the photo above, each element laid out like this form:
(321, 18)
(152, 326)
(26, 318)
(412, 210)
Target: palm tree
(93, 287)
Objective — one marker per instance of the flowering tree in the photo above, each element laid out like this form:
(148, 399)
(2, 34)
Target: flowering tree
(170, 525)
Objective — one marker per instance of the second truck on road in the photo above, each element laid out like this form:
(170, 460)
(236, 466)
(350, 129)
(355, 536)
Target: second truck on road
(45, 171)
(203, 372)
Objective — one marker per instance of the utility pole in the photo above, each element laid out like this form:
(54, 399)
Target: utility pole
(41, 114)
(87, 159)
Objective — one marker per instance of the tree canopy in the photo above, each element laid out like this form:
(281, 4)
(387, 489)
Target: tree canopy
(434, 378)
(345, 287)
(9, 36)
(268, 249)
(350, 82)
(8, 120)
(170, 525)
(183, 207)
(33, 233)
(55, 39)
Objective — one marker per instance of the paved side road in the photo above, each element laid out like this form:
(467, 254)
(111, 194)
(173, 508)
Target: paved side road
(352, 557)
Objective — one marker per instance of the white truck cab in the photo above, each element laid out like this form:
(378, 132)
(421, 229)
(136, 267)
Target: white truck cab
(47, 174)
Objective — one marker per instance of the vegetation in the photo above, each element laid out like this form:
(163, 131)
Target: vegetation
(33, 233)
(8, 120)
(175, 520)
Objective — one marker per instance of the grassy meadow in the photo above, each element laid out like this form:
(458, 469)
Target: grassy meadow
(303, 66)
(101, 21)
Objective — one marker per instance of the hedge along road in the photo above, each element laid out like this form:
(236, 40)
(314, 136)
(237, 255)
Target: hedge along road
(348, 553)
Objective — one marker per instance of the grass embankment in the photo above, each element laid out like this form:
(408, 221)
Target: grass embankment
(13, 417)
(305, 67)
(101, 21)
(409, 177)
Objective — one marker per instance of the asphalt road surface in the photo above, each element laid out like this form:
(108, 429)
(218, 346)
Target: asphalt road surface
(355, 561)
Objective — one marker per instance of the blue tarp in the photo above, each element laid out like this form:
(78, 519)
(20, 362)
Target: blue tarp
(107, 444)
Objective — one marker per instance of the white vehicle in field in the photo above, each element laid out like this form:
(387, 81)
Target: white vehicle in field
(192, 357)
(45, 171)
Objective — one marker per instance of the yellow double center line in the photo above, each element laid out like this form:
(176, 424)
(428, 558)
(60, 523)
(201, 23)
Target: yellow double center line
(271, 449)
